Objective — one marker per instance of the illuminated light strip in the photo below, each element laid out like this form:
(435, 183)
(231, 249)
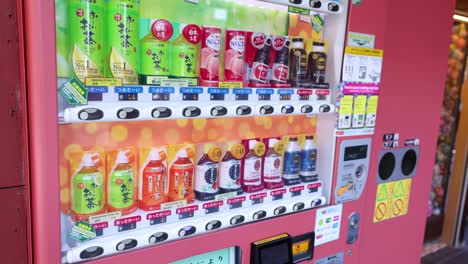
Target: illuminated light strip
(460, 18)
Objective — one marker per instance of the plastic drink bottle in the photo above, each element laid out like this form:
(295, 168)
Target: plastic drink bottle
(308, 171)
(280, 68)
(252, 176)
(86, 35)
(272, 167)
(261, 63)
(292, 161)
(155, 54)
(230, 172)
(317, 63)
(297, 62)
(123, 20)
(152, 191)
(181, 175)
(206, 176)
(122, 188)
(185, 53)
(87, 190)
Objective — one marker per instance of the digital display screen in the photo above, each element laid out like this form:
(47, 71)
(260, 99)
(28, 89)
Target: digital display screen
(355, 153)
(277, 254)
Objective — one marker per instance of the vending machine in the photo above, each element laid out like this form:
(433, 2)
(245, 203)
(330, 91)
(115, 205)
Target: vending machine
(228, 131)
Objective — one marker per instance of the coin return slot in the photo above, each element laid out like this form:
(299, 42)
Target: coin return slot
(259, 215)
(408, 164)
(187, 231)
(191, 111)
(306, 109)
(387, 166)
(288, 109)
(267, 110)
(219, 111)
(315, 4)
(161, 112)
(212, 225)
(298, 207)
(238, 219)
(90, 114)
(91, 252)
(128, 113)
(127, 244)
(158, 237)
(280, 210)
(325, 109)
(243, 110)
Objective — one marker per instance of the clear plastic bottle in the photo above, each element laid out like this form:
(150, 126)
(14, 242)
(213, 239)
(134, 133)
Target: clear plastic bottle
(230, 172)
(252, 176)
(181, 178)
(272, 167)
(308, 171)
(292, 160)
(122, 188)
(152, 191)
(206, 176)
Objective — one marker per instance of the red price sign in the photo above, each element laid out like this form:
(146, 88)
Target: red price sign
(192, 33)
(162, 29)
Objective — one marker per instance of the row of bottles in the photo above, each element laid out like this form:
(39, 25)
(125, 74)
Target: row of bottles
(307, 69)
(186, 172)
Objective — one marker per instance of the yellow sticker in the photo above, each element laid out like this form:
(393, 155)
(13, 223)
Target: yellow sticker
(238, 151)
(214, 154)
(279, 147)
(300, 247)
(260, 149)
(103, 82)
(231, 85)
(364, 51)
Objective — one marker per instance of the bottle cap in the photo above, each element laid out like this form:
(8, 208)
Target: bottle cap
(297, 40)
(207, 147)
(293, 139)
(318, 44)
(123, 156)
(182, 153)
(309, 137)
(154, 155)
(87, 160)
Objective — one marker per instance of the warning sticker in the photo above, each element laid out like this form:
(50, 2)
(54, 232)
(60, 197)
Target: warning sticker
(82, 232)
(392, 200)
(74, 92)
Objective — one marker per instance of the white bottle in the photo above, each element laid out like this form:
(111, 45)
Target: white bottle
(292, 160)
(308, 171)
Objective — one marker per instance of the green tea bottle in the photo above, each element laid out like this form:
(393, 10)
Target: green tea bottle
(87, 190)
(185, 52)
(123, 21)
(122, 192)
(156, 50)
(86, 36)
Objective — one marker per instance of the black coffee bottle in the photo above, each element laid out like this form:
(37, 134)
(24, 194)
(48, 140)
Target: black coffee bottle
(317, 63)
(297, 62)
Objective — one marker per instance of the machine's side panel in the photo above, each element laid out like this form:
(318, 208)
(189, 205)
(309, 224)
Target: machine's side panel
(411, 94)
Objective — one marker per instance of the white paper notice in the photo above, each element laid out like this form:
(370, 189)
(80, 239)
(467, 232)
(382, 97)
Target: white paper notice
(362, 65)
(327, 224)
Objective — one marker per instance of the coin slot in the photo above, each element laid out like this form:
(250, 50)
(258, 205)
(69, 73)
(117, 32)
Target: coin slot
(158, 237)
(91, 252)
(90, 114)
(409, 162)
(387, 166)
(126, 244)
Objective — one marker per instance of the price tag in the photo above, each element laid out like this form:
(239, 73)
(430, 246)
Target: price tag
(259, 149)
(231, 85)
(238, 151)
(103, 82)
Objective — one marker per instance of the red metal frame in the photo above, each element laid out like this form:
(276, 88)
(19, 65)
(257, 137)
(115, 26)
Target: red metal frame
(400, 91)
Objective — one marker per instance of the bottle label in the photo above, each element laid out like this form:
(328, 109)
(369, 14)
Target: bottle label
(252, 171)
(122, 189)
(230, 174)
(184, 60)
(259, 72)
(88, 194)
(153, 186)
(291, 165)
(183, 179)
(207, 178)
(280, 73)
(272, 169)
(308, 162)
(155, 58)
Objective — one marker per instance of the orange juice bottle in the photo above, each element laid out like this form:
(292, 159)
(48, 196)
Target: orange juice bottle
(152, 192)
(181, 175)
